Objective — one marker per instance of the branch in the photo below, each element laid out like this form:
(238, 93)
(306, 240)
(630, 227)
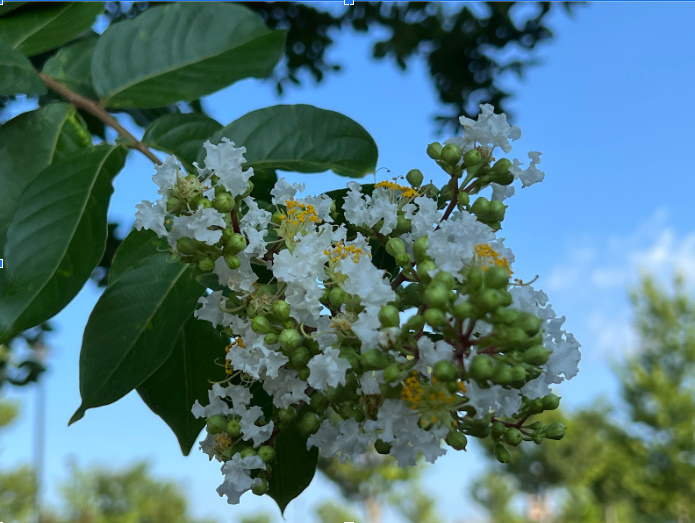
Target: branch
(99, 112)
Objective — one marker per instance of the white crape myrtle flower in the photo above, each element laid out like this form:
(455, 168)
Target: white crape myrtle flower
(251, 431)
(430, 352)
(211, 309)
(286, 388)
(490, 129)
(240, 280)
(370, 380)
(167, 175)
(151, 216)
(362, 209)
(240, 397)
(452, 245)
(412, 440)
(366, 281)
(197, 226)
(283, 191)
(237, 477)
(501, 192)
(254, 225)
(225, 160)
(256, 358)
(327, 370)
(345, 439)
(531, 174)
(497, 399)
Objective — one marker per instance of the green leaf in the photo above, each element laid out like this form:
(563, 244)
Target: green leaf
(293, 468)
(17, 75)
(302, 138)
(181, 134)
(72, 66)
(133, 328)
(184, 378)
(216, 44)
(134, 251)
(28, 144)
(57, 237)
(47, 26)
(8, 7)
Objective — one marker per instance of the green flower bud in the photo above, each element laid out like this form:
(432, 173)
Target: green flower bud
(536, 355)
(303, 374)
(403, 225)
(435, 318)
(445, 278)
(503, 374)
(287, 415)
(260, 487)
(550, 402)
(402, 259)
(474, 278)
(249, 188)
(436, 296)
(518, 374)
(481, 208)
(173, 203)
(224, 202)
(290, 338)
(420, 249)
(496, 277)
(497, 210)
(503, 179)
(430, 191)
(504, 315)
(502, 453)
(463, 197)
(513, 437)
(309, 424)
(266, 453)
(376, 359)
(472, 157)
(482, 367)
(394, 373)
(498, 429)
(271, 338)
(446, 193)
(300, 357)
(382, 447)
(530, 324)
(216, 424)
(206, 264)
(389, 316)
(501, 166)
(423, 270)
(337, 297)
(414, 177)
(434, 150)
(281, 309)
(232, 261)
(463, 310)
(555, 430)
(395, 246)
(248, 452)
(318, 402)
(415, 323)
(457, 440)
(505, 297)
(235, 244)
(261, 325)
(488, 300)
(187, 246)
(451, 154)
(234, 428)
(445, 371)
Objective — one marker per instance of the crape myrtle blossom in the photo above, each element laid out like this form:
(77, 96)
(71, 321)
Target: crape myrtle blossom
(390, 318)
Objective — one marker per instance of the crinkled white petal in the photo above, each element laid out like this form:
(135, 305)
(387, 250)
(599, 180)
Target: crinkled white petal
(151, 216)
(327, 370)
(237, 477)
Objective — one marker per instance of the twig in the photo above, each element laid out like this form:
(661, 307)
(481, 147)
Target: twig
(99, 112)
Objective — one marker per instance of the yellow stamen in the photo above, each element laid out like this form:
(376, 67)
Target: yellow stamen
(483, 250)
(408, 192)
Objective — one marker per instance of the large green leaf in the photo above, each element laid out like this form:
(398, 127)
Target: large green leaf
(28, 144)
(133, 328)
(134, 251)
(47, 25)
(304, 139)
(17, 75)
(8, 7)
(72, 66)
(215, 44)
(184, 378)
(182, 135)
(56, 237)
(293, 468)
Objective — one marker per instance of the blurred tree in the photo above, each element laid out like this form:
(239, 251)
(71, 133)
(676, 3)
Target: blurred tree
(609, 469)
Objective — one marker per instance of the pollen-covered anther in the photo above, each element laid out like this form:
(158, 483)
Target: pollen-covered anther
(341, 251)
(489, 257)
(407, 192)
(299, 213)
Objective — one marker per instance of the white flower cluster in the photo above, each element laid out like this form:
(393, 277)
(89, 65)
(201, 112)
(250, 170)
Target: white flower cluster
(315, 315)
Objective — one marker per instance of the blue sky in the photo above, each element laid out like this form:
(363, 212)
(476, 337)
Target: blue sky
(610, 107)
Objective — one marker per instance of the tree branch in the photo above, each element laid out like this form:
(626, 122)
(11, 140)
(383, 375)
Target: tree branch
(99, 112)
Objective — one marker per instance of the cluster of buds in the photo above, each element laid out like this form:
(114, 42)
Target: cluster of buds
(387, 318)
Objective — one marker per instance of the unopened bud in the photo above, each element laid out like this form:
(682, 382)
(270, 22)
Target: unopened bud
(395, 246)
(287, 415)
(463, 198)
(502, 453)
(337, 297)
(266, 453)
(393, 373)
(513, 437)
(420, 249)
(472, 157)
(435, 318)
(551, 402)
(300, 357)
(482, 367)
(463, 310)
(382, 447)
(457, 440)
(309, 424)
(234, 428)
(187, 246)
(290, 338)
(281, 309)
(376, 359)
(261, 325)
(445, 371)
(501, 166)
(224, 202)
(206, 264)
(503, 374)
(434, 150)
(555, 430)
(536, 355)
(232, 261)
(216, 424)
(496, 277)
(260, 486)
(451, 154)
(415, 177)
(389, 316)
(423, 270)
(173, 203)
